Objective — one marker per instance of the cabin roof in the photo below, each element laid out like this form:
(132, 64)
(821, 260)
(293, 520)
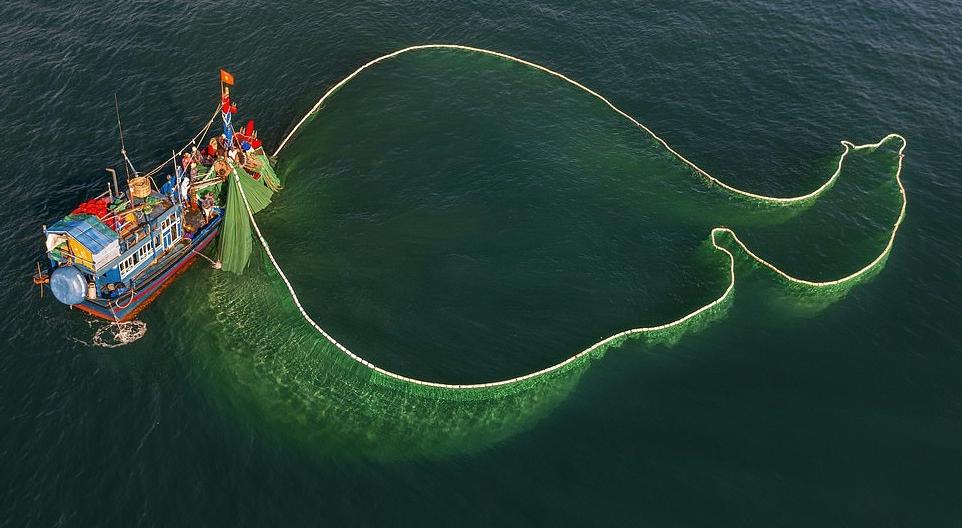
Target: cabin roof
(86, 229)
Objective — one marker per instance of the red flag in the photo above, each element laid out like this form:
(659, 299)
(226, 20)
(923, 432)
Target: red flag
(226, 78)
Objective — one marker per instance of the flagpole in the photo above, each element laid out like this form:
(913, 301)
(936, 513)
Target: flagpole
(222, 113)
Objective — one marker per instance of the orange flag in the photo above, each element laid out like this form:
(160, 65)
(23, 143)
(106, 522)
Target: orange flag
(226, 78)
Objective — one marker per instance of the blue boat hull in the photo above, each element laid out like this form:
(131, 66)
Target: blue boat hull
(128, 306)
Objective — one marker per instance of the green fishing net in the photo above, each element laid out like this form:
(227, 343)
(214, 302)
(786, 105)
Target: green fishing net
(235, 232)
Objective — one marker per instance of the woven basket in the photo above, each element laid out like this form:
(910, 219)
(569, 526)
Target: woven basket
(139, 187)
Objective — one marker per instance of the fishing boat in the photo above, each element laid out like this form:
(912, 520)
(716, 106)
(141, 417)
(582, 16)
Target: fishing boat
(115, 253)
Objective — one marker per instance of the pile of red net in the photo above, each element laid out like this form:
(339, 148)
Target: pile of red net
(96, 207)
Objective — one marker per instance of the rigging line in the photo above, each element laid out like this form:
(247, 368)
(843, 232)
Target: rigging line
(193, 141)
(123, 147)
(215, 264)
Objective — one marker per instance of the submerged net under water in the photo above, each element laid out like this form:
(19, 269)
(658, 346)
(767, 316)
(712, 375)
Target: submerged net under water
(464, 218)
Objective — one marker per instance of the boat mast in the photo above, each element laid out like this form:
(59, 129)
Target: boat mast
(123, 148)
(177, 175)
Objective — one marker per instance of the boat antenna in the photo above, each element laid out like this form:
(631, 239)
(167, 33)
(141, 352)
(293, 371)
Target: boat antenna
(123, 148)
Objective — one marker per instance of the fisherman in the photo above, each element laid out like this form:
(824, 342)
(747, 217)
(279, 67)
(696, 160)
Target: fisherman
(221, 146)
(187, 162)
(207, 204)
(184, 190)
(237, 156)
(211, 151)
(168, 188)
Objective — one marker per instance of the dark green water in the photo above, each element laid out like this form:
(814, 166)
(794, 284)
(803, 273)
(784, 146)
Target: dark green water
(460, 218)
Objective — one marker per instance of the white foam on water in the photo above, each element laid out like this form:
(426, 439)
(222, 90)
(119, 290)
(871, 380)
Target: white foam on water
(118, 334)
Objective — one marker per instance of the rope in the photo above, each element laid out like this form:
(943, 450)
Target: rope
(193, 141)
(213, 263)
(569, 80)
(113, 313)
(132, 292)
(715, 232)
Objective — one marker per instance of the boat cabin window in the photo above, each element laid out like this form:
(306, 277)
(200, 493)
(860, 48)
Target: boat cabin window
(145, 250)
(128, 264)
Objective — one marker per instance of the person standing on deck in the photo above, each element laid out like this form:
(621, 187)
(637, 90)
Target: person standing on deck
(184, 190)
(207, 205)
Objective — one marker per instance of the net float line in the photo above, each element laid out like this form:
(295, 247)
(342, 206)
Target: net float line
(714, 236)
